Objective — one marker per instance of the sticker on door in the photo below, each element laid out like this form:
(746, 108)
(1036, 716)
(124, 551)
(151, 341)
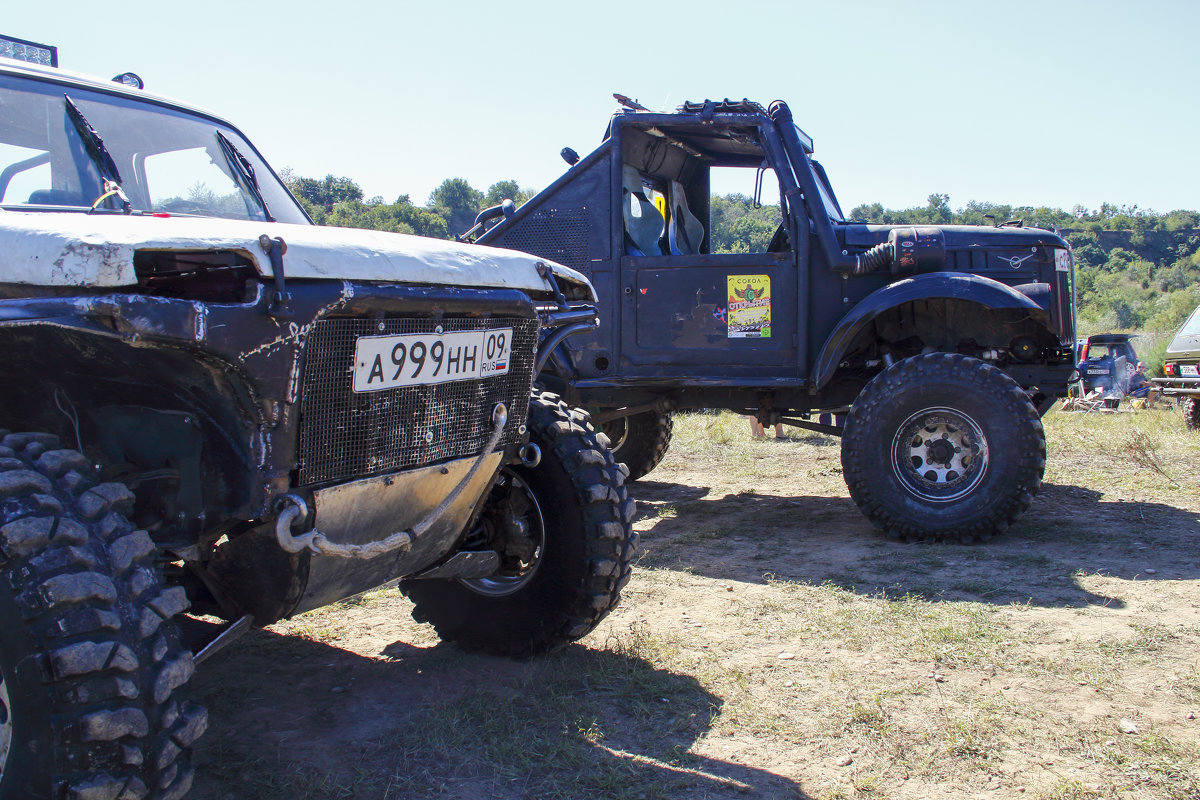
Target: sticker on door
(749, 306)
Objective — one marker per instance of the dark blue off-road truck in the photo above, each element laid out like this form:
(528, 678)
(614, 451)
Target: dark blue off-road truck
(940, 347)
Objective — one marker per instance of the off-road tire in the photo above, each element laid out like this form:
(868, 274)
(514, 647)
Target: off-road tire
(585, 560)
(948, 393)
(1191, 413)
(89, 655)
(639, 441)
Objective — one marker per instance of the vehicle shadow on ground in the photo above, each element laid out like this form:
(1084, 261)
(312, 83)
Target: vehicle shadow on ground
(1070, 532)
(290, 717)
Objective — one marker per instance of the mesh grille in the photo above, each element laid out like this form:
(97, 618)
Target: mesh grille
(557, 234)
(346, 435)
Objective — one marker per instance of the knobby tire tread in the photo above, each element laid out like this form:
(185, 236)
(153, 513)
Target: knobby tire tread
(1191, 413)
(94, 612)
(647, 439)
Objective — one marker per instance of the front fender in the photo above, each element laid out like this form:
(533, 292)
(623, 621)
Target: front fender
(988, 293)
(135, 377)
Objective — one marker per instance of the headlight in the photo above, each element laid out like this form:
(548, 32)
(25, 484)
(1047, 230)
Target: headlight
(1062, 260)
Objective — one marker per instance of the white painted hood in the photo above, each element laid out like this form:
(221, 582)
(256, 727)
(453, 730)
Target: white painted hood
(76, 249)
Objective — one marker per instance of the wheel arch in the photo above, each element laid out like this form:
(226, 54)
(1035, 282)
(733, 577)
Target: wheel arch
(974, 294)
(93, 388)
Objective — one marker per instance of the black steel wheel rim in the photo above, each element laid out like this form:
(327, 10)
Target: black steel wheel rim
(512, 577)
(939, 455)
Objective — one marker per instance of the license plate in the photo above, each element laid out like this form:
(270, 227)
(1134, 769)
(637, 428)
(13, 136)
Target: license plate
(417, 359)
(1097, 372)
(1188, 371)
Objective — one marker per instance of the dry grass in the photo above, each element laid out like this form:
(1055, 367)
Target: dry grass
(772, 645)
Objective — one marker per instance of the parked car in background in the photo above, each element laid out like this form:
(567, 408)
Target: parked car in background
(1181, 370)
(1106, 360)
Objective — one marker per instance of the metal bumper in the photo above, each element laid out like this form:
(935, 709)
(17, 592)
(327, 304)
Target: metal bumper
(367, 510)
(1177, 387)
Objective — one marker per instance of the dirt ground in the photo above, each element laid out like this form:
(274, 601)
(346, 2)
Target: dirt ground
(773, 644)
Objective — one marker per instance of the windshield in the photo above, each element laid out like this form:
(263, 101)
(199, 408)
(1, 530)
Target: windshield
(827, 197)
(1099, 350)
(169, 160)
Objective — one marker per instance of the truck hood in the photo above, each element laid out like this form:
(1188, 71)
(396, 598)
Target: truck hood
(96, 251)
(862, 234)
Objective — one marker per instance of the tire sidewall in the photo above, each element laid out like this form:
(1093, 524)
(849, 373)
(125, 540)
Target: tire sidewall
(562, 562)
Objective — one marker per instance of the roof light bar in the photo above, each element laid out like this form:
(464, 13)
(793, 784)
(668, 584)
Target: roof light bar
(32, 52)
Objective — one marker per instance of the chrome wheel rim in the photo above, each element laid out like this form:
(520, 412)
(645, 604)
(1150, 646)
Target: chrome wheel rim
(521, 507)
(939, 455)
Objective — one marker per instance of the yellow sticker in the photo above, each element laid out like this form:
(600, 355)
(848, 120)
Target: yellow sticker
(660, 201)
(749, 306)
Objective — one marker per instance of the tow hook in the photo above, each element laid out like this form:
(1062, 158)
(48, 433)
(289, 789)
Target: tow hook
(275, 248)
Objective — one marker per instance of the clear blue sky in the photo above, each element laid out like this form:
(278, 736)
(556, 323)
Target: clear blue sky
(1029, 103)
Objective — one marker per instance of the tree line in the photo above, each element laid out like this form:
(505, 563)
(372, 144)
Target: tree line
(1136, 269)
(450, 209)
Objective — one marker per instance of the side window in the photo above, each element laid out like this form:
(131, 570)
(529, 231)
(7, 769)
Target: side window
(643, 206)
(745, 212)
(658, 217)
(24, 174)
(190, 182)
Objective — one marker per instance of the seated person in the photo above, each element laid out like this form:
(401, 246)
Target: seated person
(1140, 386)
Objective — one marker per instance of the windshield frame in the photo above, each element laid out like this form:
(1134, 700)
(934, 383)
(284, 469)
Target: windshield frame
(98, 102)
(828, 198)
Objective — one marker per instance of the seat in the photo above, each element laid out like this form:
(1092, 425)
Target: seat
(643, 221)
(686, 232)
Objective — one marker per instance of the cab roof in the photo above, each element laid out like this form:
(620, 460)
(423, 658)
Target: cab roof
(69, 78)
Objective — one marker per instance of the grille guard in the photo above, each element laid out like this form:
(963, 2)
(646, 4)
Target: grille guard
(346, 435)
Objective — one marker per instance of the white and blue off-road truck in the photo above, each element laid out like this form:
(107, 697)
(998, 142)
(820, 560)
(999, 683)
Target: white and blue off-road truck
(210, 403)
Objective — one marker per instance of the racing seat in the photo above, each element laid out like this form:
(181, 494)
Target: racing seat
(686, 232)
(643, 221)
